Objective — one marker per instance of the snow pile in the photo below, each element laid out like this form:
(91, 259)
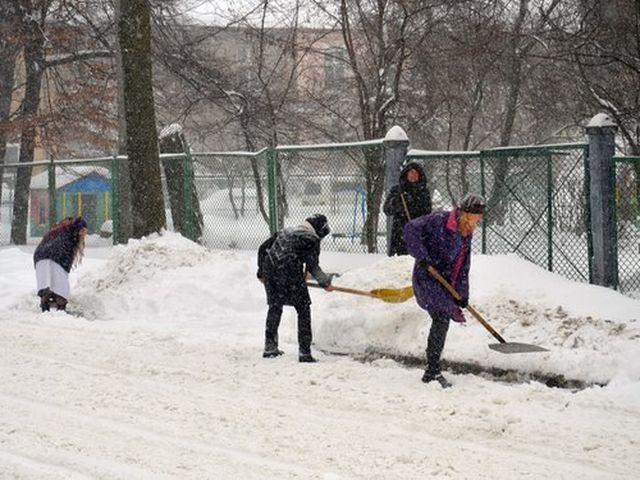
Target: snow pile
(591, 332)
(171, 283)
(143, 259)
(355, 323)
(168, 282)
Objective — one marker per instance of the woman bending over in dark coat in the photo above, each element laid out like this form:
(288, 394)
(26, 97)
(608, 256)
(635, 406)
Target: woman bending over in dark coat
(59, 250)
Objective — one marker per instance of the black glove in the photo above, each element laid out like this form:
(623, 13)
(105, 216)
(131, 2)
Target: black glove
(424, 264)
(462, 303)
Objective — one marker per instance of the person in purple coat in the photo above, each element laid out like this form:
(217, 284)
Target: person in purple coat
(442, 240)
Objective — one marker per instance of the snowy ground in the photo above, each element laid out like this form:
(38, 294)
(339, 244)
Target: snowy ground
(163, 377)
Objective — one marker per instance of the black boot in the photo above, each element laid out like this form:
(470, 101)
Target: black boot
(59, 302)
(306, 358)
(45, 295)
(272, 353)
(429, 377)
(44, 304)
(271, 333)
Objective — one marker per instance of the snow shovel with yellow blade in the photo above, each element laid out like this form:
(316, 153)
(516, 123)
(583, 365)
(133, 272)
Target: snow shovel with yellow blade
(503, 346)
(389, 295)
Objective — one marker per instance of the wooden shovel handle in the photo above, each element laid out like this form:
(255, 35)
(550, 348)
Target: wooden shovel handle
(344, 289)
(406, 207)
(457, 296)
(354, 291)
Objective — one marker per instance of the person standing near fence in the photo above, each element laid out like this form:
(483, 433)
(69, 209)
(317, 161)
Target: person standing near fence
(442, 240)
(283, 261)
(61, 249)
(412, 195)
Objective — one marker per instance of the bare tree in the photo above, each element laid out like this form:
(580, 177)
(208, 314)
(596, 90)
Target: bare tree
(252, 97)
(9, 48)
(603, 45)
(522, 38)
(376, 36)
(134, 33)
(32, 25)
(43, 37)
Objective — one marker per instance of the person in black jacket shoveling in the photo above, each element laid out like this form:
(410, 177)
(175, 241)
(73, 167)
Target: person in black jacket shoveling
(283, 261)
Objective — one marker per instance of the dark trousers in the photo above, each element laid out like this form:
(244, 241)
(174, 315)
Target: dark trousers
(304, 327)
(435, 342)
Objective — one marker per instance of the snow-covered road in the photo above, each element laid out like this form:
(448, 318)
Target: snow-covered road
(155, 390)
(82, 402)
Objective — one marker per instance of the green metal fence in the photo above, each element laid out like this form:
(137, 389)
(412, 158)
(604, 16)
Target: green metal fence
(330, 180)
(233, 191)
(58, 190)
(538, 198)
(537, 201)
(627, 212)
(244, 196)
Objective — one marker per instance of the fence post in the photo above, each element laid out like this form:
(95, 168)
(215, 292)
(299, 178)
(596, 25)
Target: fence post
(396, 144)
(272, 182)
(51, 173)
(188, 194)
(483, 192)
(115, 200)
(602, 132)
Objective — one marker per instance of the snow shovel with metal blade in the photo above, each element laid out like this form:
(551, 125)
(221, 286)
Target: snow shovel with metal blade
(389, 295)
(503, 346)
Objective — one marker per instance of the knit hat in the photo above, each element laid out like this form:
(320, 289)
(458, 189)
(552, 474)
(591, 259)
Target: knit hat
(319, 224)
(473, 203)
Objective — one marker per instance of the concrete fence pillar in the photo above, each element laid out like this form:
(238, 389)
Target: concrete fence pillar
(396, 145)
(602, 132)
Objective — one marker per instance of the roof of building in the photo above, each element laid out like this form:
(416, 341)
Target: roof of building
(67, 175)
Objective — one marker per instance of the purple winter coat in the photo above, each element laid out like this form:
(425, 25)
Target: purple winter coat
(436, 239)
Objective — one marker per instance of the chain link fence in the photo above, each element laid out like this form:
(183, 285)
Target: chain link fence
(537, 201)
(243, 197)
(537, 198)
(233, 193)
(627, 212)
(57, 190)
(8, 175)
(330, 180)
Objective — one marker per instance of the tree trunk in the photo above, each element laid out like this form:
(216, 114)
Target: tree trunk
(8, 53)
(123, 188)
(374, 184)
(34, 60)
(174, 142)
(134, 34)
(255, 168)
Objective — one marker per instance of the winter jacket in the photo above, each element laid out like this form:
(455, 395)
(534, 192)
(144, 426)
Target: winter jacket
(59, 244)
(283, 261)
(436, 239)
(418, 200)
